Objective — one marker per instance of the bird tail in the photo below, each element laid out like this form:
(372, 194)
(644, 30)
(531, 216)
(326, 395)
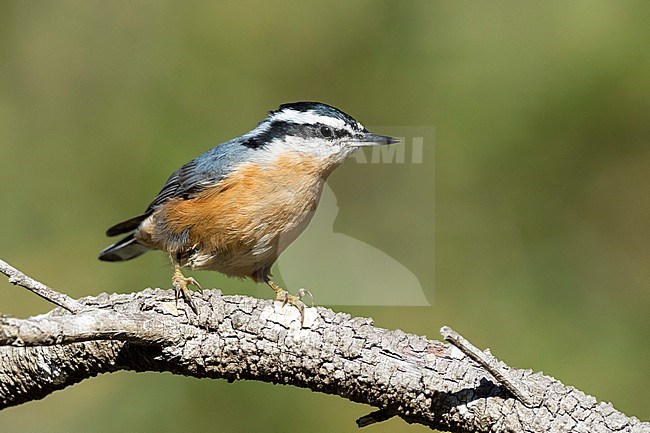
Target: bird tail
(126, 226)
(126, 249)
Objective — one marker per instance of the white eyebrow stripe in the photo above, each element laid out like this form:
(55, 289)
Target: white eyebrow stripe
(309, 117)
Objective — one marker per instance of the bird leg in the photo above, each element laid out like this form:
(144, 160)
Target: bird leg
(180, 283)
(295, 300)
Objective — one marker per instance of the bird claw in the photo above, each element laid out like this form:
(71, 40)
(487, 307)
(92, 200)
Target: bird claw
(302, 292)
(285, 298)
(193, 282)
(180, 283)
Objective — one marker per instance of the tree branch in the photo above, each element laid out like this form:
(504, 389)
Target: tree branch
(18, 278)
(490, 363)
(242, 338)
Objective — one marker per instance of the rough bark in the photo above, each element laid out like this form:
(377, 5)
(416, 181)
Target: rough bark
(242, 338)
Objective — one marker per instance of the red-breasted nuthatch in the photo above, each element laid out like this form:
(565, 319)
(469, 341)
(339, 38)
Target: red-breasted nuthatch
(236, 207)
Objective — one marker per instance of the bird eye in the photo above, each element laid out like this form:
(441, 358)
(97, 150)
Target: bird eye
(326, 132)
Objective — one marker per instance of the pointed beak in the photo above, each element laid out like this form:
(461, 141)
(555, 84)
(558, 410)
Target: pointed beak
(369, 139)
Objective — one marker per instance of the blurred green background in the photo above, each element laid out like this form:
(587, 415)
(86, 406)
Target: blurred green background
(528, 222)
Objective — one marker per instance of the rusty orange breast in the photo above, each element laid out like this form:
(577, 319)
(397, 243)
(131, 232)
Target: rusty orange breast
(245, 221)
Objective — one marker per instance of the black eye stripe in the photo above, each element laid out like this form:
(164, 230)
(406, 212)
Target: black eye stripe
(328, 131)
(342, 133)
(280, 129)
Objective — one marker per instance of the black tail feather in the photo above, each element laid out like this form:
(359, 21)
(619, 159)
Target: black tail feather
(126, 226)
(126, 249)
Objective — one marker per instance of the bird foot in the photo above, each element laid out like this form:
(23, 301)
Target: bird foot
(285, 298)
(180, 283)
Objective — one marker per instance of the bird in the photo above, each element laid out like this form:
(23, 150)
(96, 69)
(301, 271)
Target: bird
(235, 208)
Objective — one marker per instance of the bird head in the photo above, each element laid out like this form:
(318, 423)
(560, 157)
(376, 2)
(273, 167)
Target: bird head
(314, 128)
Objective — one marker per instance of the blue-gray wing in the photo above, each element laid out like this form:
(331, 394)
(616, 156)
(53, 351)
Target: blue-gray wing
(201, 172)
